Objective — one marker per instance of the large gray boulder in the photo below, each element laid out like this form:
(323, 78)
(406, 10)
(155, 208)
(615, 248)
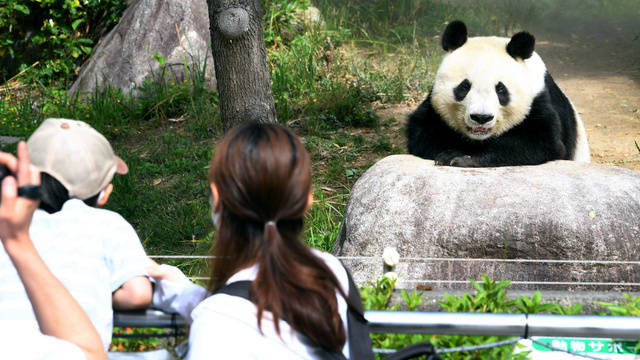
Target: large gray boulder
(501, 218)
(125, 56)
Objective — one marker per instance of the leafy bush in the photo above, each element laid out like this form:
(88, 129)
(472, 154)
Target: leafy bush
(58, 34)
(280, 17)
(490, 297)
(630, 306)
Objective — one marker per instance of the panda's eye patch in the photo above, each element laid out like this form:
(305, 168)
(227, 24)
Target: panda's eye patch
(461, 90)
(503, 94)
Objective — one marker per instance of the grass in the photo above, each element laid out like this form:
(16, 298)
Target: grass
(328, 81)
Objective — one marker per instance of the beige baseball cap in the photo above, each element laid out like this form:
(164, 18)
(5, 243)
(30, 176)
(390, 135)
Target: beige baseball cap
(76, 155)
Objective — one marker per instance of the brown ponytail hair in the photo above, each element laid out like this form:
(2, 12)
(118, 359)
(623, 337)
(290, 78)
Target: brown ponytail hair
(263, 176)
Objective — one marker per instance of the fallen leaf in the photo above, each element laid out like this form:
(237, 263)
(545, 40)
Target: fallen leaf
(592, 214)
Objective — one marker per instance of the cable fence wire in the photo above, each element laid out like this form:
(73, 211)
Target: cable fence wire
(584, 283)
(461, 348)
(427, 259)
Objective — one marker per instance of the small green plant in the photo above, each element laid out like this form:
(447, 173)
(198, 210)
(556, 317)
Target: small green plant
(629, 307)
(323, 221)
(490, 297)
(378, 294)
(279, 17)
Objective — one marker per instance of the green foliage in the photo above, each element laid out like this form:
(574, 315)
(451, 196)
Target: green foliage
(306, 84)
(489, 297)
(280, 17)
(165, 136)
(378, 294)
(59, 34)
(143, 343)
(387, 22)
(629, 307)
(323, 220)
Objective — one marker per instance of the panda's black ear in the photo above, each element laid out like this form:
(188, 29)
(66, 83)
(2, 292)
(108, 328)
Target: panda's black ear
(454, 36)
(521, 45)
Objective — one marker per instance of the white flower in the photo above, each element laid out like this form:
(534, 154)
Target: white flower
(391, 275)
(390, 256)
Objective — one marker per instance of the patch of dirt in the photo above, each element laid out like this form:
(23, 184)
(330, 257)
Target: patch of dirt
(598, 68)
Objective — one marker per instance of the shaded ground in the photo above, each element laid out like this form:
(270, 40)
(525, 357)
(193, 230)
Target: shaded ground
(598, 66)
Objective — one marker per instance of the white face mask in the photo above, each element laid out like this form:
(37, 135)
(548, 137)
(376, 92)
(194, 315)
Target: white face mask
(215, 216)
(100, 196)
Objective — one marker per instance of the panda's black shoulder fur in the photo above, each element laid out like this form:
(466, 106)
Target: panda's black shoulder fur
(547, 133)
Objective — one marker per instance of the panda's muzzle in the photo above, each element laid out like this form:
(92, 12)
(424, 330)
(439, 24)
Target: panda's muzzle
(480, 119)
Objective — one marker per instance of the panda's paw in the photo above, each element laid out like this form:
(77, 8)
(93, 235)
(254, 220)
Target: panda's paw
(446, 157)
(464, 161)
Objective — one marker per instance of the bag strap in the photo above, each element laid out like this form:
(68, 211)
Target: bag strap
(360, 347)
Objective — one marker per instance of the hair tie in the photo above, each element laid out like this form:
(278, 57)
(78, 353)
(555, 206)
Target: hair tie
(270, 222)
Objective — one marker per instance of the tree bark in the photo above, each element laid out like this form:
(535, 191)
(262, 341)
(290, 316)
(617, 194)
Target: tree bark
(240, 61)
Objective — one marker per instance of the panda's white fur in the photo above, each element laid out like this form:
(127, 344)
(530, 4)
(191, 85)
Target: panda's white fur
(484, 63)
(582, 145)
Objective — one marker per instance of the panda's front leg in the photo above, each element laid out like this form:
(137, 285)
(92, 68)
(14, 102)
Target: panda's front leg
(455, 158)
(465, 161)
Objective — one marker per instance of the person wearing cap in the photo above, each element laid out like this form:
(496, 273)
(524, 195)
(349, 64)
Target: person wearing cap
(94, 252)
(66, 331)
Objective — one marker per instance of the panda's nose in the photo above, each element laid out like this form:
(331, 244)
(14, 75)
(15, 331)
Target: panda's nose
(481, 118)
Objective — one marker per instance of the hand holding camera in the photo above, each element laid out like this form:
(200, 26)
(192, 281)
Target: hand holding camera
(20, 191)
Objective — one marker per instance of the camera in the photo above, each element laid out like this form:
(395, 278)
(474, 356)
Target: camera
(27, 191)
(4, 172)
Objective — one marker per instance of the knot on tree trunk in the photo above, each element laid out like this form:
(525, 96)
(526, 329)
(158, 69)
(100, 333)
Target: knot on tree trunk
(233, 22)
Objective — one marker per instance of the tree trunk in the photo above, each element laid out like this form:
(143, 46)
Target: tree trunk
(240, 61)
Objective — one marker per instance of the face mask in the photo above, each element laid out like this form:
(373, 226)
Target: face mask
(216, 219)
(215, 216)
(100, 196)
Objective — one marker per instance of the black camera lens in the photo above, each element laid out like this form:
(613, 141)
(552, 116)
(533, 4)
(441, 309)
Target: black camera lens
(26, 191)
(4, 172)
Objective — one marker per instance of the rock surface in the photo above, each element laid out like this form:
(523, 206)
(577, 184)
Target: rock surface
(561, 210)
(125, 56)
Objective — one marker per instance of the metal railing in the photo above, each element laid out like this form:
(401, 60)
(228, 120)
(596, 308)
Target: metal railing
(520, 325)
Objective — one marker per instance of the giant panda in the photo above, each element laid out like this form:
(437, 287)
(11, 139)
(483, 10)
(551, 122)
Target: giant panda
(493, 103)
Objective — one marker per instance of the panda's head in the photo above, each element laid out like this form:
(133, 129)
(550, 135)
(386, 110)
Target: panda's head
(485, 85)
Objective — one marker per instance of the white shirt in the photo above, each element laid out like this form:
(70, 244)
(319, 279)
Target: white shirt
(91, 251)
(25, 344)
(226, 327)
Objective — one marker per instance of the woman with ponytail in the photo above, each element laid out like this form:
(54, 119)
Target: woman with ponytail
(260, 179)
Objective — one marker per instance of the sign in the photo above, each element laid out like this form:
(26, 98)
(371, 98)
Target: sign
(599, 348)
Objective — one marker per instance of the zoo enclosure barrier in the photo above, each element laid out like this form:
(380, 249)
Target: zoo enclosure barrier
(445, 323)
(522, 326)
(454, 273)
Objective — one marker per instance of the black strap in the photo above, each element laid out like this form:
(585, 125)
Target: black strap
(360, 347)
(239, 288)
